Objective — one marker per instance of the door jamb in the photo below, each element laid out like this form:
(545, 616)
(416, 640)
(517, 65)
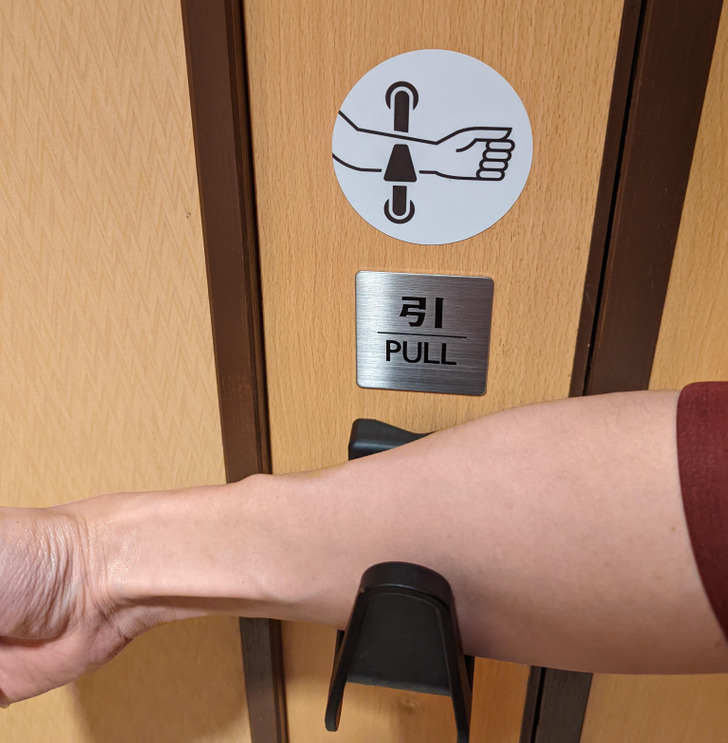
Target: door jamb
(217, 75)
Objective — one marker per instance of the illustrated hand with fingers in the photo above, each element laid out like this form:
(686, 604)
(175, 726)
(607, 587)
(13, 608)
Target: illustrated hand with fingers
(471, 154)
(475, 153)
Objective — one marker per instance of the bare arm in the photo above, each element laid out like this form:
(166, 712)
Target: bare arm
(559, 526)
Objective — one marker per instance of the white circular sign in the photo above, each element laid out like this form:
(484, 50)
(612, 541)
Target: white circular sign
(432, 146)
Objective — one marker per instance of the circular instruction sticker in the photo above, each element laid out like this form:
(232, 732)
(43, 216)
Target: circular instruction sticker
(432, 146)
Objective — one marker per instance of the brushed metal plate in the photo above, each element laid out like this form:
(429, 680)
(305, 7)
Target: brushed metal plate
(422, 332)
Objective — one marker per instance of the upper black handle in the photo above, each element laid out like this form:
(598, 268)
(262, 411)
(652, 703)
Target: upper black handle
(370, 436)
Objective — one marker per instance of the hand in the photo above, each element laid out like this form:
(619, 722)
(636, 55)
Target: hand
(472, 154)
(55, 621)
(476, 153)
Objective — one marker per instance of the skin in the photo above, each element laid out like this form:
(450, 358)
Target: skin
(559, 526)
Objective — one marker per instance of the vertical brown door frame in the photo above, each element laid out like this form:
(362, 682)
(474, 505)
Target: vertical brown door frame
(660, 78)
(661, 73)
(215, 47)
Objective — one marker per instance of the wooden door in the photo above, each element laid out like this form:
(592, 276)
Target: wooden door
(303, 58)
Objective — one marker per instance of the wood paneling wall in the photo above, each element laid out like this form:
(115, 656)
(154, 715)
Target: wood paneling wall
(692, 346)
(107, 378)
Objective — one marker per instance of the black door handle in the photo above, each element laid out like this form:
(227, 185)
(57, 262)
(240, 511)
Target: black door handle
(403, 631)
(370, 436)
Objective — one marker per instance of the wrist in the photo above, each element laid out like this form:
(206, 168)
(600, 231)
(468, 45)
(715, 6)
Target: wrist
(114, 535)
(158, 557)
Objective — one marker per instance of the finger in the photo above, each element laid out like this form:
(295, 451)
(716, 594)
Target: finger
(490, 175)
(505, 145)
(27, 671)
(482, 134)
(492, 165)
(492, 156)
(496, 132)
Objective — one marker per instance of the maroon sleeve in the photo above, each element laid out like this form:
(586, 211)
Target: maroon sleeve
(702, 446)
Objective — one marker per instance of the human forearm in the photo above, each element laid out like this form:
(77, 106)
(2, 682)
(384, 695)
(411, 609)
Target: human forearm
(560, 528)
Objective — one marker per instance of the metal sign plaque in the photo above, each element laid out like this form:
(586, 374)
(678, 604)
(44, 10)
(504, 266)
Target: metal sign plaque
(423, 333)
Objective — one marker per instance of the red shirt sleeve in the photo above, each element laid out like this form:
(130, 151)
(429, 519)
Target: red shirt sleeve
(702, 446)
